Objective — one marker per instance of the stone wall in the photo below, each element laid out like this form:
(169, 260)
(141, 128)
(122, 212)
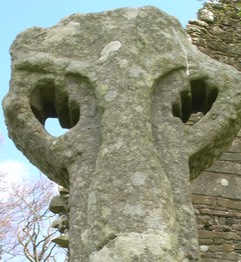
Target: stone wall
(217, 191)
(217, 31)
(219, 226)
(217, 202)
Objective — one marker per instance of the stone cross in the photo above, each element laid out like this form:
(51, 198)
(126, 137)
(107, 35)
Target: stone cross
(125, 83)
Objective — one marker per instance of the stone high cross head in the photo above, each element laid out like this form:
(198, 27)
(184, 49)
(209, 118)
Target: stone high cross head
(125, 83)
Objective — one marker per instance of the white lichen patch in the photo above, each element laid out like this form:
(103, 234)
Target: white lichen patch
(103, 255)
(138, 179)
(119, 144)
(135, 71)
(133, 210)
(122, 244)
(224, 182)
(92, 199)
(111, 95)
(111, 47)
(203, 248)
(155, 243)
(57, 35)
(85, 236)
(206, 15)
(105, 211)
(131, 13)
(123, 63)
(139, 109)
(156, 221)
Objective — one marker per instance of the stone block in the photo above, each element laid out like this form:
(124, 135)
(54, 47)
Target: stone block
(57, 205)
(228, 247)
(226, 167)
(214, 186)
(203, 199)
(231, 156)
(219, 235)
(235, 146)
(229, 203)
(218, 213)
(62, 241)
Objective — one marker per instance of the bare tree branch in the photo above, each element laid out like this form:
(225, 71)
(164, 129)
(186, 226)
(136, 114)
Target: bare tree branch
(25, 222)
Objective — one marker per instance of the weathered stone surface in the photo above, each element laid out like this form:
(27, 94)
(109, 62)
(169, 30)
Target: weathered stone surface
(125, 82)
(57, 205)
(62, 241)
(62, 223)
(210, 183)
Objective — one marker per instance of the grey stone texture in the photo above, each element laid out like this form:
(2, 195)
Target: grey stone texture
(126, 82)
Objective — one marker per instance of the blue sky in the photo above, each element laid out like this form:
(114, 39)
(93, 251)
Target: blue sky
(18, 15)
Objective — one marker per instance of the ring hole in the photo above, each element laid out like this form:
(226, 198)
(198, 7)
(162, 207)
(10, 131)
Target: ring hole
(193, 104)
(50, 104)
(53, 127)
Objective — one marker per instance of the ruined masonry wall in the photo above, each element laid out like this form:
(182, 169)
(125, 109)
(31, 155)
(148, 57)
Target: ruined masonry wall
(217, 31)
(217, 203)
(217, 191)
(219, 227)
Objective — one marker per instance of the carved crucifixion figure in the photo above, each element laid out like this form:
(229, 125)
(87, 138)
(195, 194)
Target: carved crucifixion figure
(125, 83)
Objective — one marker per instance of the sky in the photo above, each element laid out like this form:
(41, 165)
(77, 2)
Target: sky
(19, 15)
